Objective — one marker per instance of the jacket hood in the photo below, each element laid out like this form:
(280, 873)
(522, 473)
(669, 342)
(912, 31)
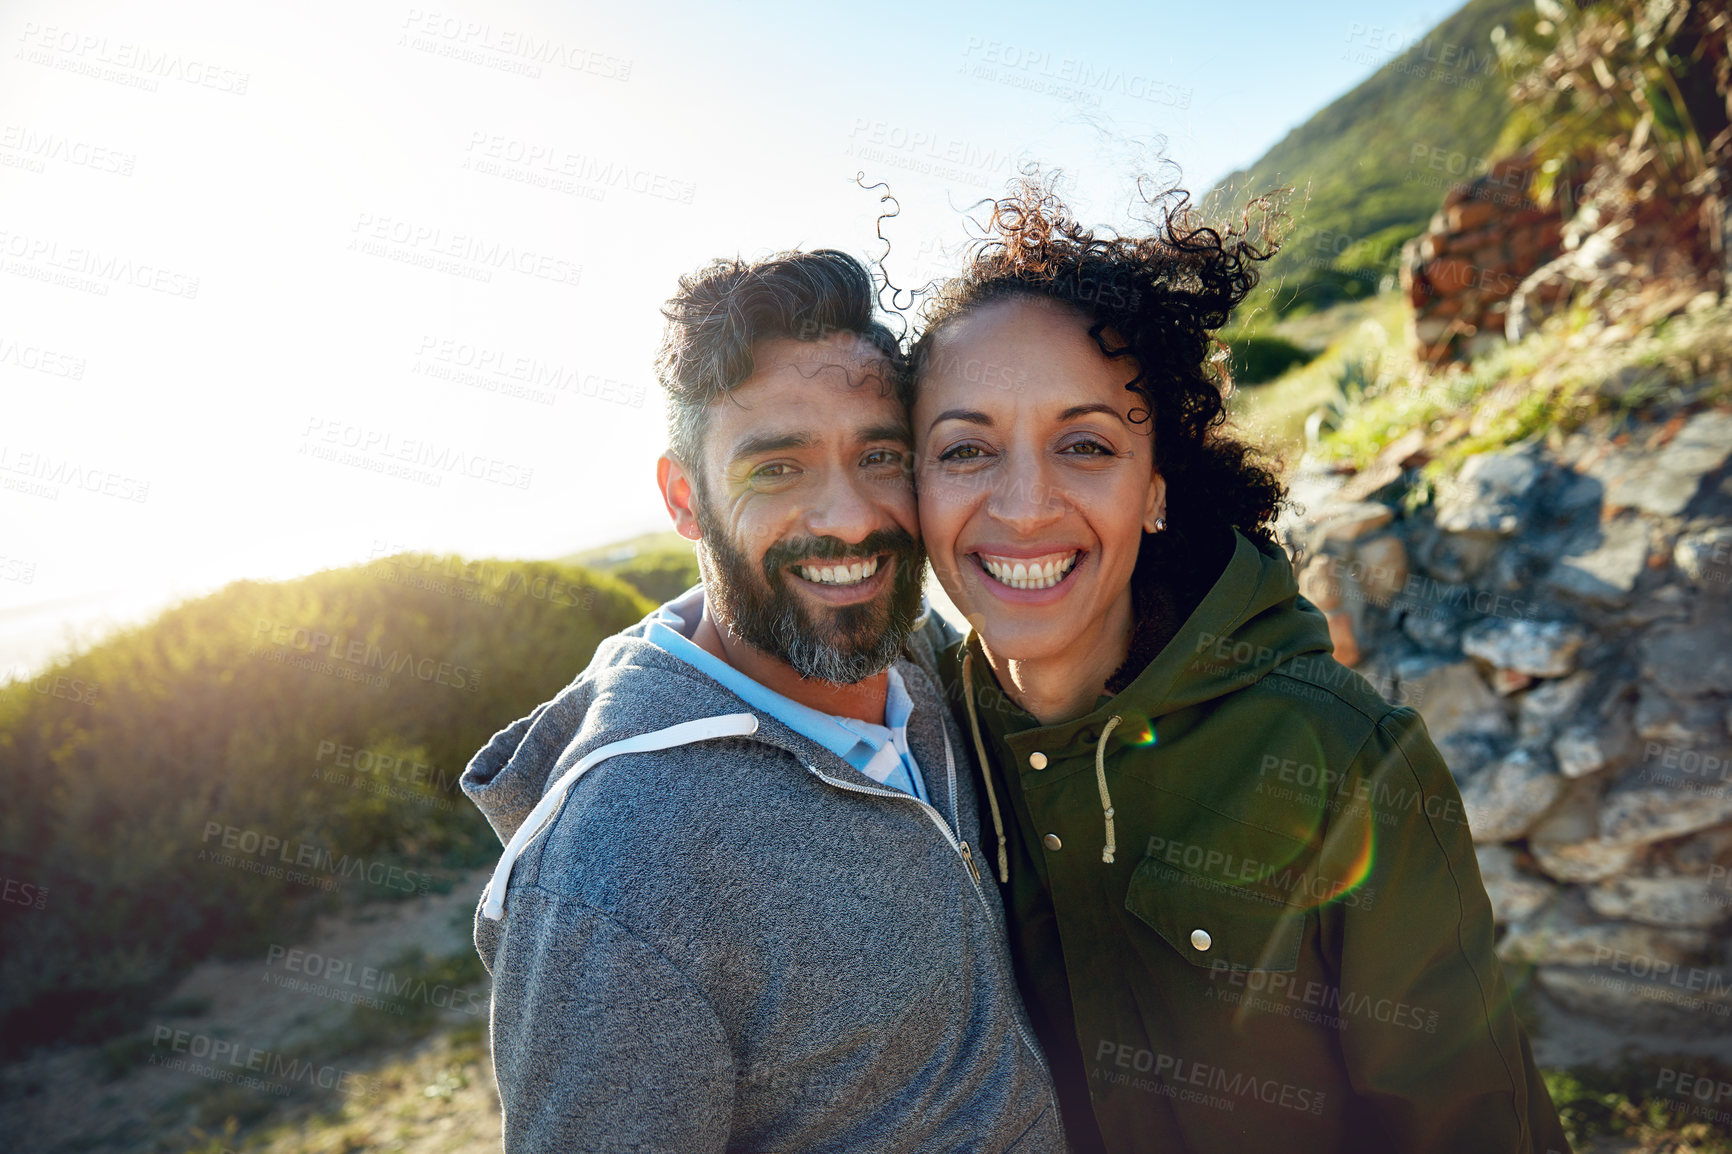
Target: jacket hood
(631, 687)
(1250, 621)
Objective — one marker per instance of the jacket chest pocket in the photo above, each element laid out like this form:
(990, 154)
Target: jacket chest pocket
(1213, 924)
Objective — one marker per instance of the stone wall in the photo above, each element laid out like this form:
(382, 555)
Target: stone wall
(1461, 272)
(1563, 622)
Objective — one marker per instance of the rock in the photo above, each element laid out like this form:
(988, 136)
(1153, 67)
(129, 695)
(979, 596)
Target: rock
(1546, 706)
(1678, 901)
(1435, 627)
(1319, 584)
(1663, 719)
(1489, 494)
(1341, 636)
(1660, 808)
(1467, 753)
(1593, 744)
(1688, 660)
(1453, 698)
(1537, 648)
(1515, 896)
(1566, 842)
(1567, 933)
(1705, 557)
(1507, 681)
(1682, 999)
(1663, 480)
(1606, 566)
(1351, 522)
(1503, 800)
(1381, 568)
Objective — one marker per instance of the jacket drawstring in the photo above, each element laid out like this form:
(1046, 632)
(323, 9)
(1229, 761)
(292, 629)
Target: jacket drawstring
(1107, 811)
(1111, 847)
(985, 763)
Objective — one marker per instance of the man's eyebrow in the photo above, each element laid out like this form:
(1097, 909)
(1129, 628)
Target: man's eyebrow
(760, 443)
(972, 416)
(889, 431)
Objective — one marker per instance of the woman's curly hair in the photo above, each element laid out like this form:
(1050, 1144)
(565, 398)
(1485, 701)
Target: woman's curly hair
(1157, 302)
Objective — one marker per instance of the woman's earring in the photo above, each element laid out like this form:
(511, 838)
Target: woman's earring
(1160, 523)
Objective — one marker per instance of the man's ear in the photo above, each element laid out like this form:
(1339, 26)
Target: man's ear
(678, 496)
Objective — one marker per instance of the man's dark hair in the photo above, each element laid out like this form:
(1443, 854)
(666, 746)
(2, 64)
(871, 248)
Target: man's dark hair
(723, 309)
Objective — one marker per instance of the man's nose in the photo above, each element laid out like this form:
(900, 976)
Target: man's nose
(844, 509)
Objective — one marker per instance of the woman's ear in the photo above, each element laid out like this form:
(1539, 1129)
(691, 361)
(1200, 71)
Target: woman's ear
(1155, 505)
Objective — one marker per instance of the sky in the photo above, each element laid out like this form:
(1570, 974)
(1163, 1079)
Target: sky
(290, 288)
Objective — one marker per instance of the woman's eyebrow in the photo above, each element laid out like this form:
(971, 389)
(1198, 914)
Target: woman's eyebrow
(1076, 411)
(972, 416)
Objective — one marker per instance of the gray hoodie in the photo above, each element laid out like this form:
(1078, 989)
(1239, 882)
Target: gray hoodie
(718, 935)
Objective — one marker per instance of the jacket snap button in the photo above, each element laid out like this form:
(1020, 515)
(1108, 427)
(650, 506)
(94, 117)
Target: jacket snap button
(1051, 842)
(1037, 759)
(1201, 939)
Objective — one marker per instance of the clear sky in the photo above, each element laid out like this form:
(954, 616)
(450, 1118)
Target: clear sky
(290, 287)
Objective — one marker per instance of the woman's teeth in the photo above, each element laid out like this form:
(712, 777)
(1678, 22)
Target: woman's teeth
(1040, 573)
(839, 574)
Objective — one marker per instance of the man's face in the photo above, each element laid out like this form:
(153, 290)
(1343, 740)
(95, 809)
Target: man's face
(810, 540)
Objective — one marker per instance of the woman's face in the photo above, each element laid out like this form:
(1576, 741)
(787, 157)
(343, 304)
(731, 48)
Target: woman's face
(1035, 487)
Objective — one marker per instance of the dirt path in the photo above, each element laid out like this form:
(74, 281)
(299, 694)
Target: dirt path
(281, 1002)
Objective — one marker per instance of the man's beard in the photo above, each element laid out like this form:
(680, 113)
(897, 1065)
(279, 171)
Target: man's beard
(840, 644)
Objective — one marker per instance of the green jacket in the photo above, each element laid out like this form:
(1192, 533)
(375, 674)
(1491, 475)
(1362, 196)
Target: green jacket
(1290, 949)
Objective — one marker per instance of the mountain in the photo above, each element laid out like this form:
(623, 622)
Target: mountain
(1368, 171)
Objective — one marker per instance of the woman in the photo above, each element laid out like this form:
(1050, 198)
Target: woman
(1245, 910)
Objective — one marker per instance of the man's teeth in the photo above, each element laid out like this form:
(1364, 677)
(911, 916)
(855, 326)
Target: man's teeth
(839, 574)
(1040, 573)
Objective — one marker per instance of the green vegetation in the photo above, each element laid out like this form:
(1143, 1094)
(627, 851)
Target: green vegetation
(1259, 357)
(661, 566)
(204, 783)
(1626, 1104)
(1369, 170)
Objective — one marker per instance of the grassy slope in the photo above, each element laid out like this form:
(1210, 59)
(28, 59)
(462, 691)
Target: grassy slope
(1359, 192)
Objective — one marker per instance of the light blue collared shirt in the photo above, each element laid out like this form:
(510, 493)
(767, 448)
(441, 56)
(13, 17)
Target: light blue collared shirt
(879, 751)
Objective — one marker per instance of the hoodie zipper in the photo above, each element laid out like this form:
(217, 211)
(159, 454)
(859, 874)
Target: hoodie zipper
(962, 851)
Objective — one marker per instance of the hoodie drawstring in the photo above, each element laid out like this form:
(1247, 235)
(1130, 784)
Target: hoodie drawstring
(1107, 811)
(1107, 850)
(985, 764)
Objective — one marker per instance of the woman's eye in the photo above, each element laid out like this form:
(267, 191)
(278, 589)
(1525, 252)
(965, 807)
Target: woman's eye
(962, 453)
(1088, 448)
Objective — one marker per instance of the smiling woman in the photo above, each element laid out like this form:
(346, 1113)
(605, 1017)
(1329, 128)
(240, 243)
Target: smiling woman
(1243, 965)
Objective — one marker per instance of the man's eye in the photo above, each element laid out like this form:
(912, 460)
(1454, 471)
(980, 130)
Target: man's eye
(772, 472)
(883, 457)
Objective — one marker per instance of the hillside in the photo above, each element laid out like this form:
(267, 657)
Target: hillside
(1369, 170)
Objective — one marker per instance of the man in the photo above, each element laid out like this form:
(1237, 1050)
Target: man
(734, 911)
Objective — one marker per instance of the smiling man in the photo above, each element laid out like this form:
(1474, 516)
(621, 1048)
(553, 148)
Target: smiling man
(734, 911)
